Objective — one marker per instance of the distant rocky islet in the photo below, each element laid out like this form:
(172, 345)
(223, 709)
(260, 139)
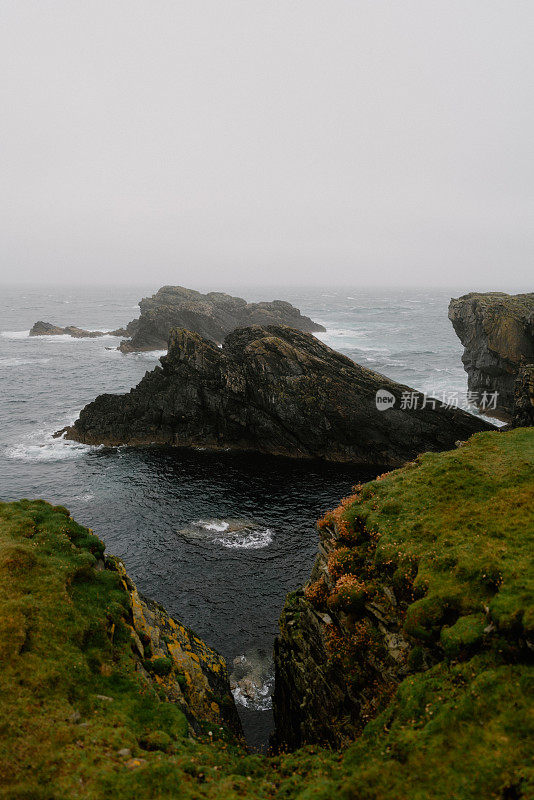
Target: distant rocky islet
(41, 328)
(212, 315)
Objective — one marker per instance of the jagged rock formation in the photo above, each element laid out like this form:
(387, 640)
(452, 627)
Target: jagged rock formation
(497, 332)
(49, 329)
(408, 583)
(314, 699)
(212, 315)
(271, 390)
(188, 671)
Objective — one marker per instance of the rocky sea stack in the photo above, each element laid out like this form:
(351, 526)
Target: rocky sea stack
(271, 390)
(497, 332)
(212, 315)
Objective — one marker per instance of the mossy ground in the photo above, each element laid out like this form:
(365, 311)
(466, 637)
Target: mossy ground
(455, 527)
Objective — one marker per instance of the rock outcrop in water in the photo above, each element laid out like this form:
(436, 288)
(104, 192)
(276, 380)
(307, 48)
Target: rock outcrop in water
(211, 315)
(497, 332)
(49, 329)
(411, 600)
(271, 390)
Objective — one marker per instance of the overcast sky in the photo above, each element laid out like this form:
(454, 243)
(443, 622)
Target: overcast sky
(267, 141)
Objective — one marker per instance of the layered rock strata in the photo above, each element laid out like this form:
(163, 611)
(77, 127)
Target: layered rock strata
(271, 390)
(497, 332)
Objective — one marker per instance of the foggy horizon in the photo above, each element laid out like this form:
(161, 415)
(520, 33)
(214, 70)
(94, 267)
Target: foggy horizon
(263, 144)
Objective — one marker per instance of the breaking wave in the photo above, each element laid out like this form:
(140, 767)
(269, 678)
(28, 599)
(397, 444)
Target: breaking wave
(41, 446)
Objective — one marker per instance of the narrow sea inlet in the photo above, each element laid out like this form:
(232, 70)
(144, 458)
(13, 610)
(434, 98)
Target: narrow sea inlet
(217, 539)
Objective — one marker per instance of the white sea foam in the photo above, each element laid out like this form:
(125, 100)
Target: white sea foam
(41, 446)
(237, 534)
(15, 334)
(251, 540)
(150, 355)
(252, 680)
(261, 701)
(215, 525)
(19, 362)
(340, 332)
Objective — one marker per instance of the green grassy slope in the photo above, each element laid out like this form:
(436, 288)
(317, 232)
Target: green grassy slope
(455, 529)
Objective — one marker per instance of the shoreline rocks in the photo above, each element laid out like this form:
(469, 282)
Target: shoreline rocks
(212, 315)
(497, 332)
(271, 390)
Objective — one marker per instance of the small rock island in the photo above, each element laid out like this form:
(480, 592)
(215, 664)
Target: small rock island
(272, 390)
(41, 328)
(212, 315)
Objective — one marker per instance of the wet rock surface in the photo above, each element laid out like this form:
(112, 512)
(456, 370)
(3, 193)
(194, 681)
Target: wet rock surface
(252, 679)
(212, 315)
(271, 390)
(237, 534)
(497, 332)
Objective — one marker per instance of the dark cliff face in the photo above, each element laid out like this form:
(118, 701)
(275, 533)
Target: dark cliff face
(421, 573)
(497, 332)
(319, 698)
(271, 390)
(523, 410)
(212, 315)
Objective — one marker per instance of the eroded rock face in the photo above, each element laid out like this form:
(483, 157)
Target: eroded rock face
(523, 411)
(212, 315)
(406, 585)
(49, 329)
(314, 700)
(188, 671)
(497, 332)
(271, 390)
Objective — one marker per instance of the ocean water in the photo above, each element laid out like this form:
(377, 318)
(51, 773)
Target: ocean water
(218, 539)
